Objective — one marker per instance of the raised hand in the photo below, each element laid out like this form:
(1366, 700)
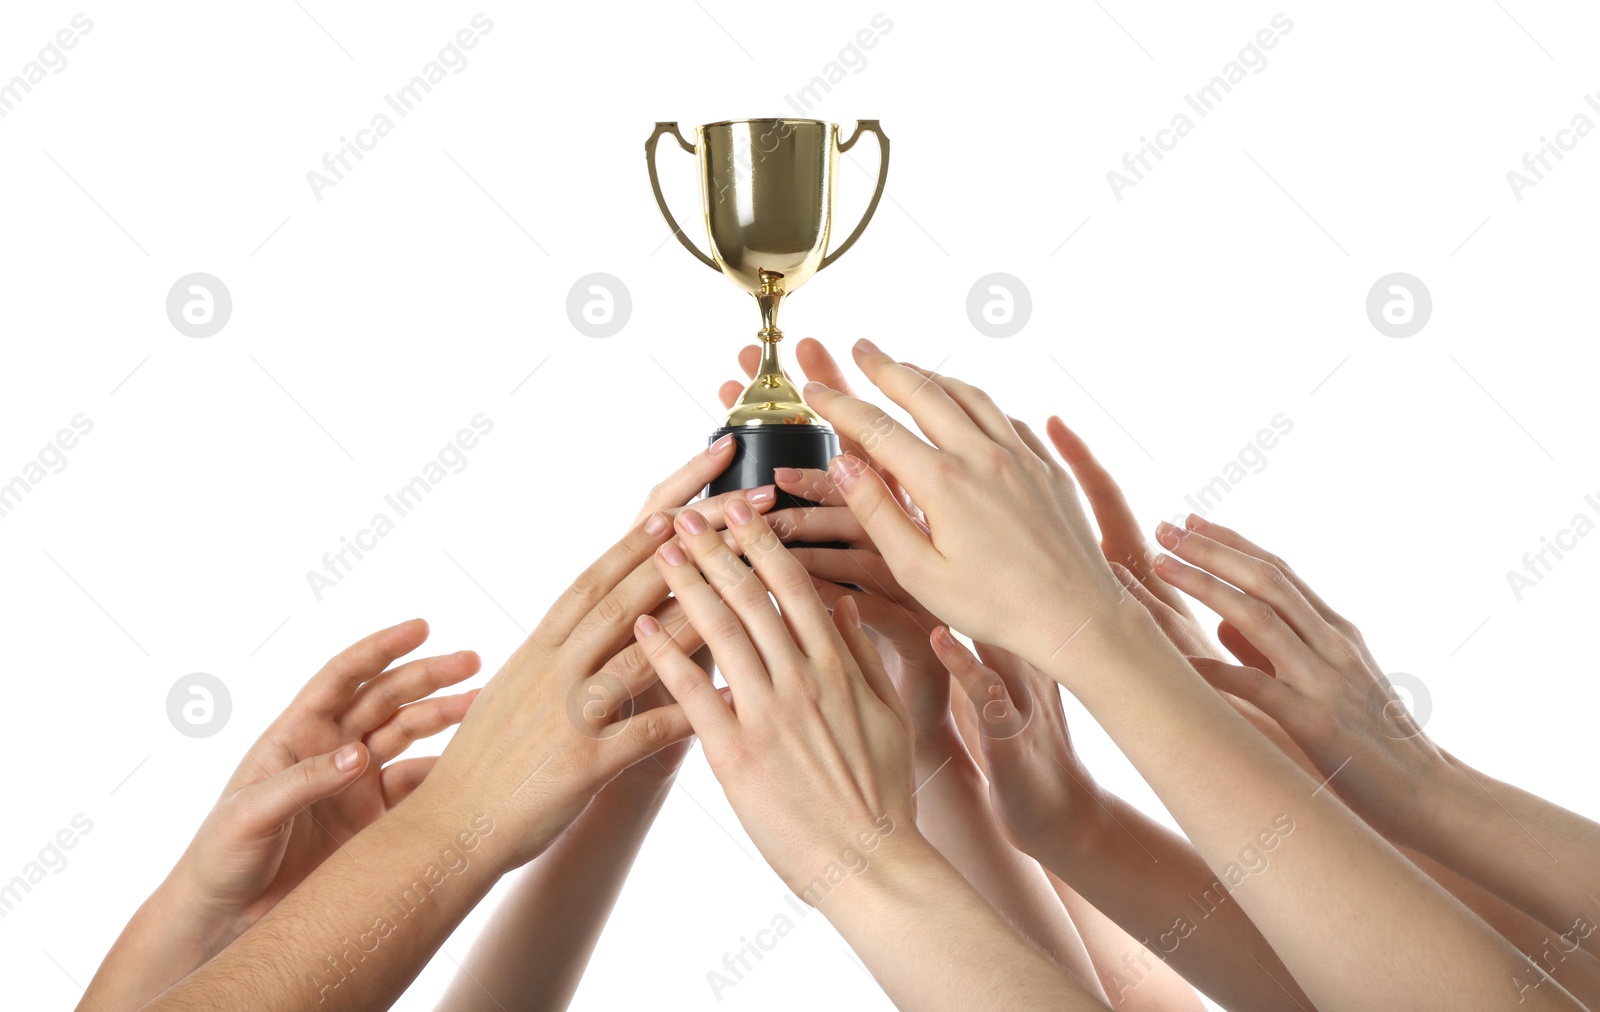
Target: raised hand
(320, 773)
(1319, 682)
(1309, 669)
(811, 744)
(1006, 542)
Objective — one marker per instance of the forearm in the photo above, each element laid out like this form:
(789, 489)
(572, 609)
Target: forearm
(954, 814)
(933, 943)
(168, 937)
(1231, 790)
(357, 931)
(1567, 955)
(535, 949)
(1133, 978)
(1159, 890)
(1537, 856)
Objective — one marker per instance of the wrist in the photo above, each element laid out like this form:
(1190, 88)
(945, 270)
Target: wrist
(459, 830)
(190, 916)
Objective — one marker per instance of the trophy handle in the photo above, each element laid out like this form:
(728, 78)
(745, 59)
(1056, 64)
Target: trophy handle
(862, 126)
(661, 201)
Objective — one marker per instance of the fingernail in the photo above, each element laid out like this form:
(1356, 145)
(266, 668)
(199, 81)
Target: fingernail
(691, 522)
(1163, 560)
(1167, 534)
(646, 626)
(866, 347)
(852, 614)
(672, 555)
(761, 496)
(842, 470)
(813, 388)
(657, 524)
(946, 641)
(786, 475)
(739, 512)
(1196, 522)
(346, 758)
(721, 444)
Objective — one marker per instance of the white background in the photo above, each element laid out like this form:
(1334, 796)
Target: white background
(370, 325)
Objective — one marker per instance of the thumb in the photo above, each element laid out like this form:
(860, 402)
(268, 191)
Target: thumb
(899, 540)
(269, 803)
(1000, 714)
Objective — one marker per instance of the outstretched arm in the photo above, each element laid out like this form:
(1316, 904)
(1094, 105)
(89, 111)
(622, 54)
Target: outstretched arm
(540, 939)
(323, 770)
(1010, 559)
(812, 745)
(523, 765)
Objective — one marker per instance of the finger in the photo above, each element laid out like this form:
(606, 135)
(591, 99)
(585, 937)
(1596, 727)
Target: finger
(1233, 539)
(857, 567)
(1121, 538)
(1261, 580)
(820, 366)
(749, 360)
(906, 632)
(716, 624)
(883, 439)
(415, 722)
(745, 593)
(643, 734)
(1252, 685)
(398, 780)
(809, 484)
(1002, 713)
(847, 623)
(629, 673)
(1243, 649)
(904, 545)
(820, 524)
(760, 499)
(729, 393)
(786, 579)
(1032, 441)
(1256, 619)
(380, 698)
(603, 576)
(936, 413)
(689, 683)
(269, 803)
(686, 482)
(1166, 617)
(330, 690)
(979, 406)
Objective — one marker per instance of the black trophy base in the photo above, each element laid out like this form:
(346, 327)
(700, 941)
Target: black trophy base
(759, 449)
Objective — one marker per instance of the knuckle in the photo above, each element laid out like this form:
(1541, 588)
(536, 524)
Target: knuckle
(611, 609)
(587, 587)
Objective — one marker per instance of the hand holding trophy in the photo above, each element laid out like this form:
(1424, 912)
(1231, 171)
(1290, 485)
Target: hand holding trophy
(767, 191)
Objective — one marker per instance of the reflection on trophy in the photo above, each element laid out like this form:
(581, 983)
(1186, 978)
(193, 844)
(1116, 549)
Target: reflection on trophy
(767, 188)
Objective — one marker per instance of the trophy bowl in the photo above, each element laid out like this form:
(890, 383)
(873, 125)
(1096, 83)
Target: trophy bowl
(767, 199)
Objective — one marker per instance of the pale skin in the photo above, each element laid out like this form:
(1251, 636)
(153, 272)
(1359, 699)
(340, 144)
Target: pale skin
(325, 769)
(1366, 709)
(812, 744)
(1009, 557)
(1046, 805)
(535, 949)
(1313, 675)
(952, 805)
(521, 767)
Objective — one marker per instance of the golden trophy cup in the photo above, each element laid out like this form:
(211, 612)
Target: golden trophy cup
(767, 189)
